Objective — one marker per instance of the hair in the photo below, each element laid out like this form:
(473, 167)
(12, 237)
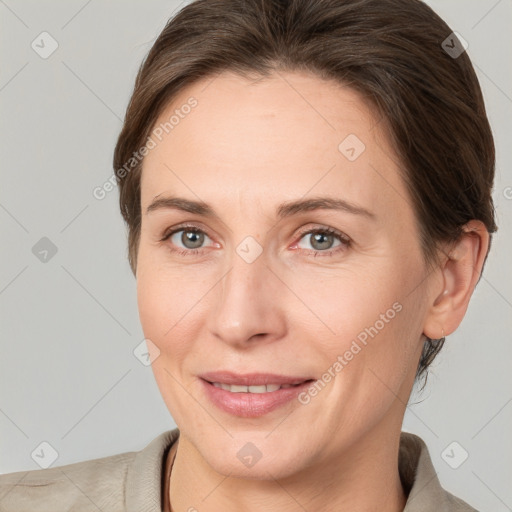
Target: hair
(396, 53)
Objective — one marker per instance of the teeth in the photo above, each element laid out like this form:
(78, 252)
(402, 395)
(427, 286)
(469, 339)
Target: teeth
(235, 388)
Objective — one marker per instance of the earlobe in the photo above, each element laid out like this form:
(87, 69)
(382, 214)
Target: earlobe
(460, 272)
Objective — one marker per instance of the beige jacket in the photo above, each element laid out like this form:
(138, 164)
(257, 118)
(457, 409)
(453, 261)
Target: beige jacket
(133, 482)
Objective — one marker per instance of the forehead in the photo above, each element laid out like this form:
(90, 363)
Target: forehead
(253, 142)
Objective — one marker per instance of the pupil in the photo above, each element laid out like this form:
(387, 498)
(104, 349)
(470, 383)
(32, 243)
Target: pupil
(194, 237)
(318, 239)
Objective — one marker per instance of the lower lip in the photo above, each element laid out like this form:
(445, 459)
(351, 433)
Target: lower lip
(251, 405)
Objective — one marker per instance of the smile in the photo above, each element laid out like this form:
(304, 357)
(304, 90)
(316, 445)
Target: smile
(269, 388)
(251, 395)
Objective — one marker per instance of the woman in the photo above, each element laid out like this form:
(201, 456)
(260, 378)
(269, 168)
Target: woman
(307, 187)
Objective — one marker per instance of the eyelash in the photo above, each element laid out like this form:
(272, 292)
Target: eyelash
(345, 241)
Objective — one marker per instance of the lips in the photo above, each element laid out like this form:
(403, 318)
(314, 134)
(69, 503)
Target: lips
(251, 395)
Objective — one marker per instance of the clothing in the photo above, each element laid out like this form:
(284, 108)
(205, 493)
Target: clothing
(136, 482)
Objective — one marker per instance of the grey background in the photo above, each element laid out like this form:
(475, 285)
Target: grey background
(69, 325)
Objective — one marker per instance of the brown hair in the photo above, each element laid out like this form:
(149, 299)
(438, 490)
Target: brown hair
(398, 53)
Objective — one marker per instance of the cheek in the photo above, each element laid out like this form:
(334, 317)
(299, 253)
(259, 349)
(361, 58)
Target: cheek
(372, 323)
(166, 312)
(154, 305)
(349, 303)
(172, 303)
(161, 302)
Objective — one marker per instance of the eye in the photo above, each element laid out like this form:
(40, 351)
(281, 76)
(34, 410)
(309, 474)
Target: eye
(189, 240)
(186, 240)
(323, 240)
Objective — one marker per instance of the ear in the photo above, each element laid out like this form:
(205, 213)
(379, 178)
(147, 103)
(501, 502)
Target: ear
(459, 274)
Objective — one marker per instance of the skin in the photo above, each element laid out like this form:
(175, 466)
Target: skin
(245, 148)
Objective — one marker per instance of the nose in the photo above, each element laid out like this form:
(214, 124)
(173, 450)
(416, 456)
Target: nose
(248, 304)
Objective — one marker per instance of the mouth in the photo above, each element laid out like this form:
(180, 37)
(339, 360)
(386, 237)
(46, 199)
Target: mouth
(265, 388)
(251, 395)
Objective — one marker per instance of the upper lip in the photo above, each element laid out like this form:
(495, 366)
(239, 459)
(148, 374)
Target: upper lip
(252, 379)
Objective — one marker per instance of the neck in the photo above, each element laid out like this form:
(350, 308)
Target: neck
(367, 479)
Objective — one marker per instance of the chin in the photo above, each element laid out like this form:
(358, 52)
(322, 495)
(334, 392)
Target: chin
(277, 466)
(251, 455)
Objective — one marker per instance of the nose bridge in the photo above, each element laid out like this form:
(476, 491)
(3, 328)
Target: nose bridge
(245, 300)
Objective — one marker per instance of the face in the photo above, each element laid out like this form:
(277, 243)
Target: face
(327, 299)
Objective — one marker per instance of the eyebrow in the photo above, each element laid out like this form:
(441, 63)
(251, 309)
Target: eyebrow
(286, 209)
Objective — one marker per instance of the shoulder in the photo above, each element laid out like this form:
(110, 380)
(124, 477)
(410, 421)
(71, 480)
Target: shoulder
(420, 481)
(92, 484)
(105, 483)
(456, 504)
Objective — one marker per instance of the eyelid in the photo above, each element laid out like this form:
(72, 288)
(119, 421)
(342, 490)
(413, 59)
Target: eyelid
(180, 227)
(327, 229)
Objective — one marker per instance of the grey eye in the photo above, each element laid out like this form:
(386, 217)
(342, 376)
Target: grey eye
(189, 239)
(320, 240)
